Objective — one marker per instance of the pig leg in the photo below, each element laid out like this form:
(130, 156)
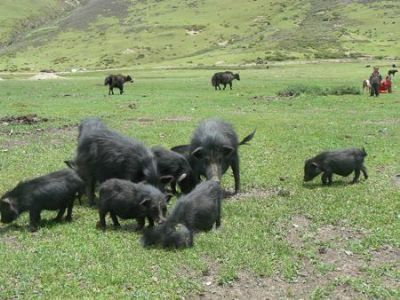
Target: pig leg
(114, 219)
(140, 224)
(236, 173)
(218, 221)
(151, 222)
(68, 218)
(230, 85)
(34, 219)
(90, 191)
(60, 214)
(364, 171)
(326, 178)
(224, 86)
(121, 90)
(102, 219)
(356, 175)
(173, 187)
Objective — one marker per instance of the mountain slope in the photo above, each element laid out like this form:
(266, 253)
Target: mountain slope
(118, 33)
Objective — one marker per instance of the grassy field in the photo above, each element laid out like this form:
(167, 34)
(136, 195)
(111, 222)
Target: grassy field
(96, 35)
(279, 237)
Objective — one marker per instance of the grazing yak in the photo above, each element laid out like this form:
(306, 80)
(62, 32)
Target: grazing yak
(392, 72)
(223, 78)
(117, 81)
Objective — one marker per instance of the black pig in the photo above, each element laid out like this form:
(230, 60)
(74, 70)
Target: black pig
(55, 191)
(89, 125)
(213, 149)
(128, 200)
(176, 166)
(341, 162)
(197, 211)
(104, 153)
(168, 237)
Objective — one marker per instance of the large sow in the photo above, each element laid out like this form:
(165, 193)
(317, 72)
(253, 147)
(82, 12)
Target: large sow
(213, 149)
(104, 153)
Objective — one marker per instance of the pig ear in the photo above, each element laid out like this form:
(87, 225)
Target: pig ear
(198, 153)
(71, 164)
(145, 202)
(228, 151)
(5, 202)
(166, 179)
(183, 176)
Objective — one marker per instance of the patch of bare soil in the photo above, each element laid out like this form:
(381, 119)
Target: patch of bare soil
(57, 136)
(45, 76)
(396, 179)
(329, 243)
(383, 122)
(11, 242)
(178, 119)
(258, 193)
(25, 119)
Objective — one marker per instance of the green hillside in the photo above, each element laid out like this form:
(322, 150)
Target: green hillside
(123, 33)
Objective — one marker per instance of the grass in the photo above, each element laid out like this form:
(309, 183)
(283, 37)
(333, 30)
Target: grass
(163, 107)
(156, 32)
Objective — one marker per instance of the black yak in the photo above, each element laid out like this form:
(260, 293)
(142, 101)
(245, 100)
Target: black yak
(223, 78)
(117, 81)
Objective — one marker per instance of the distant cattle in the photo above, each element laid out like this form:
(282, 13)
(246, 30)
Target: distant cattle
(392, 72)
(223, 78)
(117, 81)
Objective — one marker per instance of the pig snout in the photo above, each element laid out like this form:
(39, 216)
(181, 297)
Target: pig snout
(214, 172)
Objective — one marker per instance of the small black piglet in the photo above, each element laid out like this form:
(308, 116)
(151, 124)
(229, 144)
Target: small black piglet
(128, 200)
(341, 162)
(54, 191)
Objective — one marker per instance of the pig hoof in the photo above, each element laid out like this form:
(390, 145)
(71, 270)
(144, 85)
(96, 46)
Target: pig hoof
(100, 226)
(68, 219)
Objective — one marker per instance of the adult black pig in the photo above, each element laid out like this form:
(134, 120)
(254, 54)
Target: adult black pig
(214, 148)
(89, 125)
(341, 162)
(54, 191)
(128, 200)
(104, 153)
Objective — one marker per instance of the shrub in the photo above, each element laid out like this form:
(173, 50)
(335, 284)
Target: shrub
(296, 90)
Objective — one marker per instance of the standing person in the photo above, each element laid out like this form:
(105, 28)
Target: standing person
(375, 80)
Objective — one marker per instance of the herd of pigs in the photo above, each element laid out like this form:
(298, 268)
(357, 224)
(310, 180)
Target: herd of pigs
(137, 182)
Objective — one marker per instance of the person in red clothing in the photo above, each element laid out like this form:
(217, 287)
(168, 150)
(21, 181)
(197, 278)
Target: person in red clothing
(386, 85)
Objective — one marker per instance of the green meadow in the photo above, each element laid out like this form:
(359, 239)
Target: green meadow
(280, 237)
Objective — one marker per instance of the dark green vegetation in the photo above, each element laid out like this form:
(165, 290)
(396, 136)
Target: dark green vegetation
(304, 240)
(96, 34)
